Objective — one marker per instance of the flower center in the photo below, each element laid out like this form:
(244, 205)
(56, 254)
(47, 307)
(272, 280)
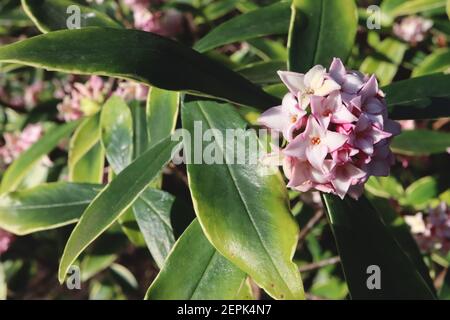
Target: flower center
(326, 112)
(309, 91)
(293, 119)
(315, 141)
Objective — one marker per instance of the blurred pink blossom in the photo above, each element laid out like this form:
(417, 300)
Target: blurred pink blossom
(337, 130)
(74, 95)
(129, 91)
(6, 239)
(433, 231)
(412, 29)
(16, 143)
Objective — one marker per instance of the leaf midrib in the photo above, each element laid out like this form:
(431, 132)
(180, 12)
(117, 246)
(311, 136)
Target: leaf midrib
(209, 122)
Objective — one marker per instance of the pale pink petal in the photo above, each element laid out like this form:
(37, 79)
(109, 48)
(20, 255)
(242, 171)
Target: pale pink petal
(335, 140)
(274, 118)
(294, 81)
(297, 148)
(327, 87)
(314, 78)
(316, 155)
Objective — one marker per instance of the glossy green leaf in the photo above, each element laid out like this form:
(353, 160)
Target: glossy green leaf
(438, 61)
(116, 124)
(424, 97)
(269, 20)
(363, 240)
(205, 275)
(244, 213)
(135, 55)
(385, 61)
(47, 206)
(152, 211)
(397, 8)
(151, 217)
(27, 160)
(51, 15)
(114, 200)
(86, 155)
(321, 30)
(162, 114)
(421, 142)
(420, 193)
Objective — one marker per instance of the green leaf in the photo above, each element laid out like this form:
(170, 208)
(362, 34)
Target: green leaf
(51, 15)
(266, 21)
(206, 274)
(114, 200)
(116, 124)
(152, 211)
(217, 9)
(244, 213)
(385, 187)
(448, 14)
(269, 49)
(263, 72)
(27, 160)
(47, 206)
(444, 292)
(140, 134)
(320, 30)
(135, 55)
(90, 168)
(86, 155)
(438, 61)
(424, 97)
(162, 114)
(363, 240)
(402, 233)
(420, 193)
(3, 284)
(385, 61)
(421, 142)
(396, 8)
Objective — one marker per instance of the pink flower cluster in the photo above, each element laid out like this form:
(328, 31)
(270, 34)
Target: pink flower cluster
(336, 127)
(78, 98)
(6, 239)
(412, 29)
(16, 143)
(167, 23)
(433, 231)
(76, 94)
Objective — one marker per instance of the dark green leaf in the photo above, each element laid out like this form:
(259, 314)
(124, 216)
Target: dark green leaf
(270, 20)
(363, 240)
(51, 15)
(321, 30)
(135, 55)
(425, 97)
